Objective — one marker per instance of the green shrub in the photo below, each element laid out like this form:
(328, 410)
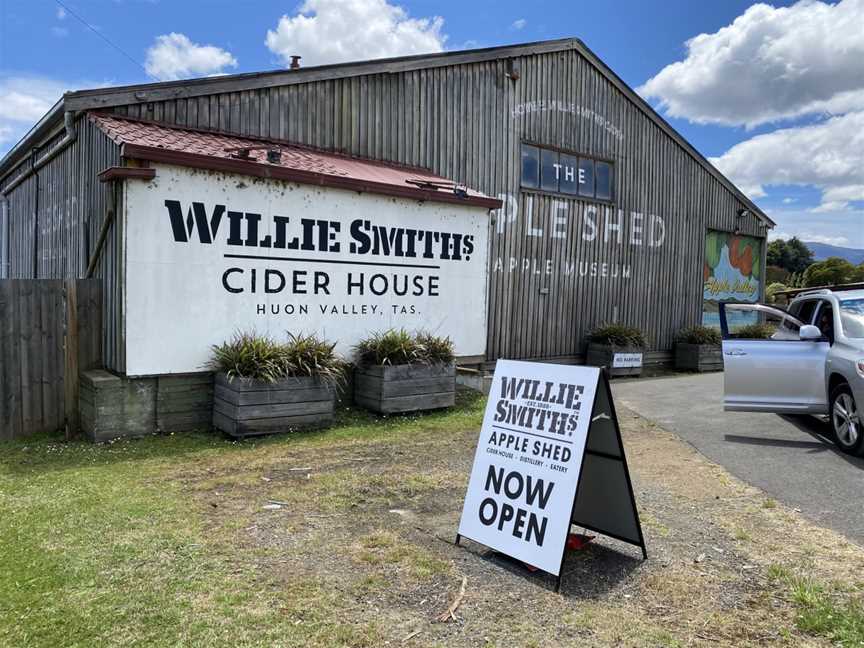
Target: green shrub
(398, 347)
(755, 331)
(618, 335)
(772, 290)
(436, 349)
(700, 335)
(309, 356)
(258, 357)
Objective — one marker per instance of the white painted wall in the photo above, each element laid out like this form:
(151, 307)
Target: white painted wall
(177, 307)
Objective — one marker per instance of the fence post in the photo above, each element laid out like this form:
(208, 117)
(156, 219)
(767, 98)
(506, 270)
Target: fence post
(70, 344)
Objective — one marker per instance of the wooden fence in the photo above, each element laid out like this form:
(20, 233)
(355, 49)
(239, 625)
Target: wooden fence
(50, 330)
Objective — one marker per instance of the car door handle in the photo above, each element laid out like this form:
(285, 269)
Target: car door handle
(736, 352)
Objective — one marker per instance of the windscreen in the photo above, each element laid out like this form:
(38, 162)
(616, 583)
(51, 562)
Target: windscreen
(852, 317)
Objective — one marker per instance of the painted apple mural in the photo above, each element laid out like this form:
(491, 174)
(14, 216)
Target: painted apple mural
(732, 270)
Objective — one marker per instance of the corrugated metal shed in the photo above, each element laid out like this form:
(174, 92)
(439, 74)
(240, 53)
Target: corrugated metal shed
(464, 116)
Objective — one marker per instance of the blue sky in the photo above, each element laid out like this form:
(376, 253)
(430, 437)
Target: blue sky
(774, 94)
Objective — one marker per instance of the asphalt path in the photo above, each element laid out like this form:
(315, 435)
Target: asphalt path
(791, 458)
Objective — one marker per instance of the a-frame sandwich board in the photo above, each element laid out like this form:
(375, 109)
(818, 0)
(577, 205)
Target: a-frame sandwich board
(549, 456)
(604, 501)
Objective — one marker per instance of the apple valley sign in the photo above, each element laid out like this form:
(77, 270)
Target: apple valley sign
(207, 255)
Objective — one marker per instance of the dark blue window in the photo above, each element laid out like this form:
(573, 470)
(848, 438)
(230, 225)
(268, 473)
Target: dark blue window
(530, 166)
(586, 177)
(548, 170)
(603, 180)
(569, 174)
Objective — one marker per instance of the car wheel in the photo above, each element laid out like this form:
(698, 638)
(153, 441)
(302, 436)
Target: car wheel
(846, 421)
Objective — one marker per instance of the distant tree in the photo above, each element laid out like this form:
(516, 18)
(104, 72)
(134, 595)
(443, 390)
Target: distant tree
(791, 255)
(776, 274)
(832, 271)
(777, 254)
(800, 256)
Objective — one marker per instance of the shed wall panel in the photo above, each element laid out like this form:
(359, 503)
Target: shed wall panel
(56, 214)
(467, 122)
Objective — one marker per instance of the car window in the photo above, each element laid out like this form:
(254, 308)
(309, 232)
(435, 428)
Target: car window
(852, 317)
(759, 322)
(825, 319)
(790, 325)
(806, 310)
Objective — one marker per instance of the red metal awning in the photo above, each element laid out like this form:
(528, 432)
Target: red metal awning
(157, 142)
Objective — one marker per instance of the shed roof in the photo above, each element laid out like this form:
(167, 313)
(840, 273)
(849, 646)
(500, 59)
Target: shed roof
(155, 142)
(107, 97)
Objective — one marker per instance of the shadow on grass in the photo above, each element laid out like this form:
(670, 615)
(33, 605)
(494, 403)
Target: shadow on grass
(48, 452)
(587, 574)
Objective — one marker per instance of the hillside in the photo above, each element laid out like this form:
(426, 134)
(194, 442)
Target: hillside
(822, 251)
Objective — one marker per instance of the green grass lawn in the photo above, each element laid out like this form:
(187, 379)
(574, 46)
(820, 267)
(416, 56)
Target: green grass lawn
(103, 546)
(166, 541)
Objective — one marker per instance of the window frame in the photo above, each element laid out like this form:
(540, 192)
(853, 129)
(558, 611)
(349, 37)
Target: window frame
(579, 156)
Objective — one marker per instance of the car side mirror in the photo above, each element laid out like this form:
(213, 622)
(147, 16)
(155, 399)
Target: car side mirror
(810, 332)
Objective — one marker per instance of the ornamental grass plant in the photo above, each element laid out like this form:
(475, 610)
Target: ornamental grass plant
(399, 347)
(699, 335)
(250, 356)
(618, 335)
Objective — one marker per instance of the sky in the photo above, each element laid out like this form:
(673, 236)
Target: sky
(772, 94)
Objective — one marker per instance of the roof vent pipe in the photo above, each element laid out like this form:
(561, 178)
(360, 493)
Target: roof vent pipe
(295, 61)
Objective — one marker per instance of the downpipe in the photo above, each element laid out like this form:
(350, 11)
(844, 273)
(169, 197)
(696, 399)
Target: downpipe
(37, 162)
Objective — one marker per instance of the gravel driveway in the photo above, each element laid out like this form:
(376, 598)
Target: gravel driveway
(790, 458)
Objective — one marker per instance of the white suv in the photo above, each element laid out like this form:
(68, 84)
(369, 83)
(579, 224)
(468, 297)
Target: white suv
(813, 363)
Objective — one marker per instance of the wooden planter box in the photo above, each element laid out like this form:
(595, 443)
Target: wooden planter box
(246, 407)
(698, 357)
(603, 355)
(405, 388)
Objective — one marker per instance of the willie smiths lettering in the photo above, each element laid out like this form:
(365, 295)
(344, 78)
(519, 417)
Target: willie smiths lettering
(315, 235)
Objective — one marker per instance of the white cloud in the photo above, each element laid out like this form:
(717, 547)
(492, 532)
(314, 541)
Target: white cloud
(333, 31)
(519, 24)
(828, 155)
(24, 100)
(61, 13)
(810, 237)
(173, 56)
(789, 201)
(771, 63)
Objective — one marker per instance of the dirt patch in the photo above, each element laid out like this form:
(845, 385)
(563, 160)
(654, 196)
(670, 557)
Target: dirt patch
(367, 528)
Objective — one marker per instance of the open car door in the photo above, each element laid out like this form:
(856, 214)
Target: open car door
(783, 372)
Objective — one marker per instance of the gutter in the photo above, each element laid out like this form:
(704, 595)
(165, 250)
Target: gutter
(261, 170)
(37, 162)
(17, 154)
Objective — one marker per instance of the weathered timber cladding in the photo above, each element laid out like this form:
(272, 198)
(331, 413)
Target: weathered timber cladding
(467, 122)
(247, 407)
(463, 117)
(55, 214)
(112, 407)
(405, 388)
(698, 357)
(184, 403)
(39, 359)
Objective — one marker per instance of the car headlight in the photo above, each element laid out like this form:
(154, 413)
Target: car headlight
(860, 367)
